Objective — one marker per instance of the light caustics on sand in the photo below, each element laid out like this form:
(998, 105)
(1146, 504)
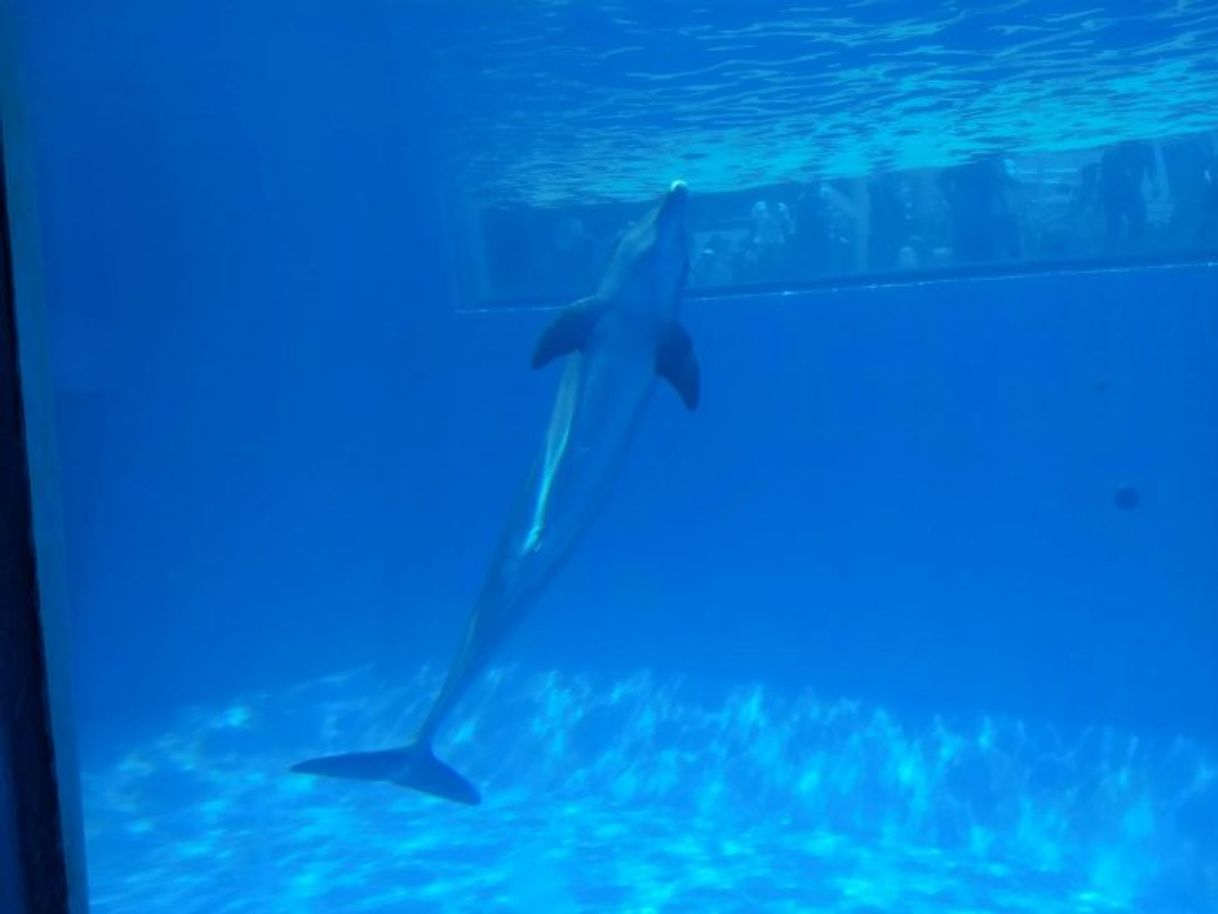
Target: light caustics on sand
(639, 794)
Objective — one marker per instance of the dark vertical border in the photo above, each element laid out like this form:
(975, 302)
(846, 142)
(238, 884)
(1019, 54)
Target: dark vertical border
(45, 837)
(33, 876)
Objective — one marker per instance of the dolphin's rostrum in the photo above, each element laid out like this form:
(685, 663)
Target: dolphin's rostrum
(617, 342)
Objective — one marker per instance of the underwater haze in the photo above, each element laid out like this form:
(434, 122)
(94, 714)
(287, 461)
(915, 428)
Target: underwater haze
(916, 612)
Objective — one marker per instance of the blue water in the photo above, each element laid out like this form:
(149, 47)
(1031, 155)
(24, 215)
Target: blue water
(867, 632)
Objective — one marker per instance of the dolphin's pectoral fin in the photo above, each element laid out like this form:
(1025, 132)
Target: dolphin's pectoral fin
(677, 364)
(568, 332)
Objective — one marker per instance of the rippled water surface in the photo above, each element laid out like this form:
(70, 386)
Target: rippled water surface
(554, 100)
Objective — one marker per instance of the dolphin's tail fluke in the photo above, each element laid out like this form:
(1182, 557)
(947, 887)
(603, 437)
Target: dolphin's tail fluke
(413, 766)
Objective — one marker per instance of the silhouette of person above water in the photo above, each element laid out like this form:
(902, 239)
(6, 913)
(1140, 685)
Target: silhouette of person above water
(770, 227)
(1123, 168)
(1207, 229)
(890, 241)
(825, 225)
(981, 199)
(1185, 161)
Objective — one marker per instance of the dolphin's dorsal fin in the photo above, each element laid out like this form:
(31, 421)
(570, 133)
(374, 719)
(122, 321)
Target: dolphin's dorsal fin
(568, 332)
(677, 364)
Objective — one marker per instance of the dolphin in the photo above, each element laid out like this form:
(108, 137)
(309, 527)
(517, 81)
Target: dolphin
(617, 341)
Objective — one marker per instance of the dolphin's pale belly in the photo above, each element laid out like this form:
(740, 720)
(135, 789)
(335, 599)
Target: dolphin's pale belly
(600, 400)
